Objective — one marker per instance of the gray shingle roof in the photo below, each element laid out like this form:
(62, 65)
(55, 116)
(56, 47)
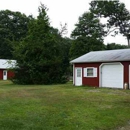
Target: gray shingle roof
(6, 64)
(104, 56)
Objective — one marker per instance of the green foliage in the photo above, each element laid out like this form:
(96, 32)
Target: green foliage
(118, 17)
(65, 44)
(83, 45)
(88, 36)
(112, 46)
(13, 27)
(40, 56)
(89, 32)
(88, 26)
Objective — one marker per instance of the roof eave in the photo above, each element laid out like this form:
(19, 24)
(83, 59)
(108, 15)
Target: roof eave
(99, 61)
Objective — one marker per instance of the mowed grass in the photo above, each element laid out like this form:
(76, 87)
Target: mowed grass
(62, 107)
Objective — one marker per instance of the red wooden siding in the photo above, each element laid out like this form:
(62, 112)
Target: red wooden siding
(10, 74)
(1, 74)
(94, 81)
(126, 71)
(91, 81)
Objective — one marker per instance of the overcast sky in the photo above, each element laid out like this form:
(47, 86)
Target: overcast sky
(60, 11)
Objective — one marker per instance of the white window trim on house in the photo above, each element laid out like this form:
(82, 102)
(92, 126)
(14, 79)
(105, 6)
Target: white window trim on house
(94, 72)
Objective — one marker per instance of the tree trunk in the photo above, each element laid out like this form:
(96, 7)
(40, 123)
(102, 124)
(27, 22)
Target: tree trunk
(128, 40)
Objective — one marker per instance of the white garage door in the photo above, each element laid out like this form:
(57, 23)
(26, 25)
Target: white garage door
(112, 75)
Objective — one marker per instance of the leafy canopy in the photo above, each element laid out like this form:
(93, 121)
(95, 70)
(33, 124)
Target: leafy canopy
(88, 26)
(118, 17)
(13, 27)
(40, 56)
(88, 35)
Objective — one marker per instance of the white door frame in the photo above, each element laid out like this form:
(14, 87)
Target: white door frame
(76, 75)
(100, 71)
(4, 74)
(73, 74)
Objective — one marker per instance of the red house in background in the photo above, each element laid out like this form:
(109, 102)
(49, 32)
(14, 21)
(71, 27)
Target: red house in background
(5, 66)
(109, 68)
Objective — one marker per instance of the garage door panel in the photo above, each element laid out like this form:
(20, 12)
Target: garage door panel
(112, 75)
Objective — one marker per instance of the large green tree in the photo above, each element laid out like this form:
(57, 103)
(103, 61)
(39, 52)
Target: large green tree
(118, 17)
(13, 27)
(40, 56)
(88, 26)
(87, 35)
(83, 45)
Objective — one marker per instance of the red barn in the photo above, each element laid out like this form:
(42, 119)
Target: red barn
(110, 68)
(5, 66)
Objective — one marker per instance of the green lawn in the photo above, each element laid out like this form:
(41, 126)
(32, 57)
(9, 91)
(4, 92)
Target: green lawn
(62, 107)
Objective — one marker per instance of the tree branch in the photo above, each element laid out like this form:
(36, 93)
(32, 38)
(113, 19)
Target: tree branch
(111, 31)
(63, 29)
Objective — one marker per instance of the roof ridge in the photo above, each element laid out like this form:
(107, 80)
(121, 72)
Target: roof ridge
(111, 50)
(104, 56)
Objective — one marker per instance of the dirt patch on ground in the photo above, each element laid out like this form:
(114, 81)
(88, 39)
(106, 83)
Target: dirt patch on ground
(126, 127)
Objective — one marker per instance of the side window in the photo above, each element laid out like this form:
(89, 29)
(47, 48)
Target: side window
(78, 72)
(4, 72)
(90, 72)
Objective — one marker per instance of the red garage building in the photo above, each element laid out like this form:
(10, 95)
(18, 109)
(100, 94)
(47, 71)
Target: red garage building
(109, 68)
(5, 66)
